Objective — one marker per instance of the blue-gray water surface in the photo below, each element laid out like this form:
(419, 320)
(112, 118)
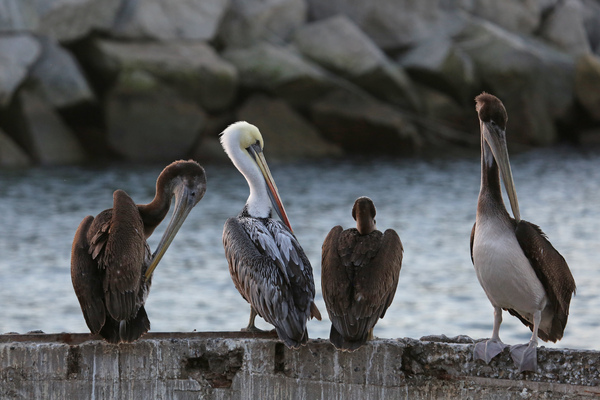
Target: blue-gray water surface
(430, 203)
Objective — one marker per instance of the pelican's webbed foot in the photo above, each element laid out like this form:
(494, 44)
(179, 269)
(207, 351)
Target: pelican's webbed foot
(252, 328)
(525, 356)
(488, 349)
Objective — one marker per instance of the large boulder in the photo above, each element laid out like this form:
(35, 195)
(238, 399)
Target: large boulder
(587, 84)
(250, 21)
(520, 16)
(339, 45)
(280, 71)
(59, 77)
(440, 64)
(534, 80)
(362, 125)
(591, 23)
(17, 55)
(168, 20)
(193, 69)
(40, 130)
(564, 27)
(445, 120)
(11, 154)
(287, 134)
(63, 20)
(18, 15)
(67, 20)
(392, 24)
(148, 121)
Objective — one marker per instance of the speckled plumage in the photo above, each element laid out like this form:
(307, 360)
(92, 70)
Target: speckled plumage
(272, 273)
(267, 265)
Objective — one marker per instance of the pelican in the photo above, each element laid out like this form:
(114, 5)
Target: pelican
(111, 265)
(359, 275)
(515, 263)
(266, 262)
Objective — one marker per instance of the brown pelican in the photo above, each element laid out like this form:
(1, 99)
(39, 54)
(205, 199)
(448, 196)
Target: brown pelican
(359, 274)
(111, 266)
(266, 262)
(515, 263)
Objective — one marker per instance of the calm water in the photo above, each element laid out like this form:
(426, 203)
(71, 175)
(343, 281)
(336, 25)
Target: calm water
(431, 204)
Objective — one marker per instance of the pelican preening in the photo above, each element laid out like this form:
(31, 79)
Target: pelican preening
(515, 263)
(111, 265)
(359, 275)
(266, 262)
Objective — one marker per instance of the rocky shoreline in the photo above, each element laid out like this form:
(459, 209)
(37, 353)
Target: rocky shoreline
(156, 80)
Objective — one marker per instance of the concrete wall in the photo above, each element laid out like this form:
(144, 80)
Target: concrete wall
(233, 365)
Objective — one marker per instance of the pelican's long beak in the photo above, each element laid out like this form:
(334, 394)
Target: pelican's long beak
(496, 138)
(185, 200)
(259, 158)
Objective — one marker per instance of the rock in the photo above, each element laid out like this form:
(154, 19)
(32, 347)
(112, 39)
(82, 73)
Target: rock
(148, 121)
(67, 20)
(441, 65)
(249, 21)
(287, 134)
(534, 81)
(392, 24)
(169, 20)
(338, 44)
(63, 20)
(591, 23)
(17, 54)
(192, 69)
(209, 151)
(17, 15)
(11, 154)
(443, 110)
(41, 131)
(362, 125)
(564, 28)
(209, 148)
(522, 16)
(280, 71)
(59, 77)
(587, 84)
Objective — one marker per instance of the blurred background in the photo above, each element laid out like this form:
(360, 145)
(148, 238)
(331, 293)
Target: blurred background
(352, 98)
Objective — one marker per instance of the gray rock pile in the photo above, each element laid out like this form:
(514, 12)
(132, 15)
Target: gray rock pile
(156, 80)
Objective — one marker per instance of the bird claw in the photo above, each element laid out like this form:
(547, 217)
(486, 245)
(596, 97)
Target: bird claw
(252, 329)
(525, 356)
(487, 350)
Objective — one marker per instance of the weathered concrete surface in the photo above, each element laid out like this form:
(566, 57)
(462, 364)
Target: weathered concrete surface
(235, 365)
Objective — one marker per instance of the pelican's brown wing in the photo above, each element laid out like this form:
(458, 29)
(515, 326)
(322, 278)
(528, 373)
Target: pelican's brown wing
(472, 240)
(359, 276)
(377, 284)
(336, 285)
(86, 278)
(552, 270)
(117, 243)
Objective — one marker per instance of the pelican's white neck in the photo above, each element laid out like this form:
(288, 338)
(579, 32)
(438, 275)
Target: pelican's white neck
(235, 141)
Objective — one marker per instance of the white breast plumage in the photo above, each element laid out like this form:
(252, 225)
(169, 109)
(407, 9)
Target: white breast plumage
(503, 270)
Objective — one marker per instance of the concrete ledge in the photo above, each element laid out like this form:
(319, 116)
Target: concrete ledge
(238, 365)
